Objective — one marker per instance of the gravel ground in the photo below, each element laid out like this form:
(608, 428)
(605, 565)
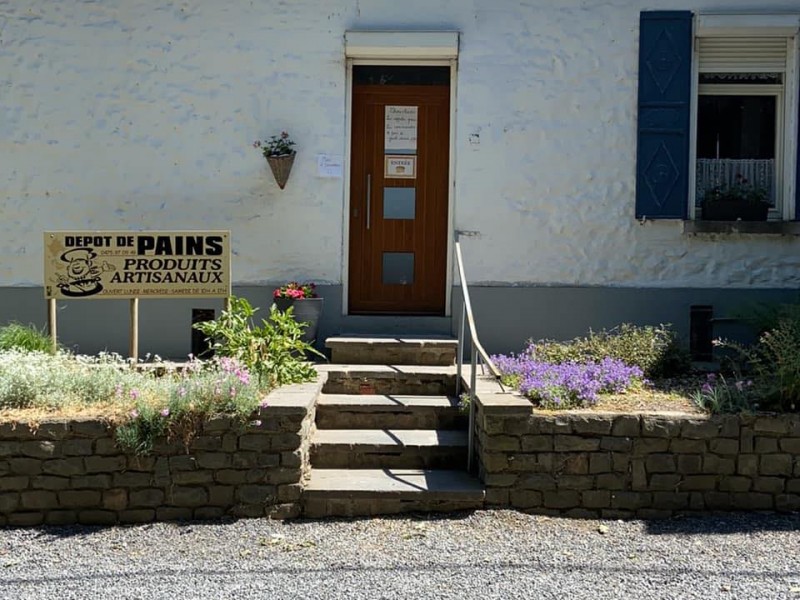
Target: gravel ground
(487, 554)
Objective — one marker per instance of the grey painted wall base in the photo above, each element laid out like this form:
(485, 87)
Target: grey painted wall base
(506, 316)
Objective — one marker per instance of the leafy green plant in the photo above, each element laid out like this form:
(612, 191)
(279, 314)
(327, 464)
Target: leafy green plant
(773, 363)
(24, 337)
(199, 391)
(719, 395)
(273, 350)
(139, 434)
(742, 190)
(655, 350)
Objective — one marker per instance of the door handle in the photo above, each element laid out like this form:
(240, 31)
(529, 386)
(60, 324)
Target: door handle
(369, 198)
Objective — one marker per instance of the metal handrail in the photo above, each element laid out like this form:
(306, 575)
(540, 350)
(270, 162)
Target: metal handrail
(476, 350)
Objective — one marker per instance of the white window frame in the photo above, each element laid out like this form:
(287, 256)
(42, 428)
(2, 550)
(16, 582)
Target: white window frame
(786, 26)
(771, 90)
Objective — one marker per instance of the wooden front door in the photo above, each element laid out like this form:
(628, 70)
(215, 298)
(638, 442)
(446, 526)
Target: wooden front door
(399, 190)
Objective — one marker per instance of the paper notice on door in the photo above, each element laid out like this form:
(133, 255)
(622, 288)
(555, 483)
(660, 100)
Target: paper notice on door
(401, 167)
(400, 129)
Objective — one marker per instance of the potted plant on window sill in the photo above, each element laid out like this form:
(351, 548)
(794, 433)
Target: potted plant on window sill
(280, 156)
(306, 303)
(742, 201)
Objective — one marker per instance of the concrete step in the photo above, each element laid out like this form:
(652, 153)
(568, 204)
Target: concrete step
(347, 411)
(367, 492)
(412, 380)
(392, 350)
(386, 448)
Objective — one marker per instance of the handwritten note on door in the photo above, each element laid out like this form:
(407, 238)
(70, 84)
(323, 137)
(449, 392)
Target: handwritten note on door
(400, 129)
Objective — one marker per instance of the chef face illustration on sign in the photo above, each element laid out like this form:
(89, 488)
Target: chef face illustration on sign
(82, 275)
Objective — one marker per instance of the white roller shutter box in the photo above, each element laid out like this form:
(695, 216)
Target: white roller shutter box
(743, 54)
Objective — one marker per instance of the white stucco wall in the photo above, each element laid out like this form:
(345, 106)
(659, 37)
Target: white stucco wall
(139, 114)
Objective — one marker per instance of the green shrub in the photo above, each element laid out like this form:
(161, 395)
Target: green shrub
(763, 316)
(773, 363)
(24, 337)
(274, 350)
(655, 350)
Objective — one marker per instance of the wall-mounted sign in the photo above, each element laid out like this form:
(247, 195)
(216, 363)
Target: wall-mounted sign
(329, 166)
(400, 129)
(400, 167)
(128, 264)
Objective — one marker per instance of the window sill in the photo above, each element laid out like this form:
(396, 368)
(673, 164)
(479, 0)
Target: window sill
(740, 227)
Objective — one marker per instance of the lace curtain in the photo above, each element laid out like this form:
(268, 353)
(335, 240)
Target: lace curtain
(722, 172)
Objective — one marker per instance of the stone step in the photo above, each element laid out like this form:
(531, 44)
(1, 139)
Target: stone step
(392, 350)
(387, 448)
(388, 411)
(413, 380)
(367, 492)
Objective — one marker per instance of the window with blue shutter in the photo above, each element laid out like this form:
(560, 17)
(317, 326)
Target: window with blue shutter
(665, 72)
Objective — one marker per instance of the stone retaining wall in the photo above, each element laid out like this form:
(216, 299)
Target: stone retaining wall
(63, 472)
(587, 464)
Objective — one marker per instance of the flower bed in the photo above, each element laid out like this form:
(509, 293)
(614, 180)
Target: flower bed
(73, 470)
(622, 465)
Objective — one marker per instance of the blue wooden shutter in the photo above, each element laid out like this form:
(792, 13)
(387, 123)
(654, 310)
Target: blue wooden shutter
(665, 74)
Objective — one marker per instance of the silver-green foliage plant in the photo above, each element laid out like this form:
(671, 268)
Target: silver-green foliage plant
(274, 349)
(159, 401)
(49, 382)
(655, 350)
(24, 337)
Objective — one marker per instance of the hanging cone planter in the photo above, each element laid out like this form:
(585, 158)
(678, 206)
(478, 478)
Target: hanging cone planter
(281, 167)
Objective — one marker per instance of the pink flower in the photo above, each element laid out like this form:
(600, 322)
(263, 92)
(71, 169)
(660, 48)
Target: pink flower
(135, 394)
(134, 414)
(263, 404)
(164, 412)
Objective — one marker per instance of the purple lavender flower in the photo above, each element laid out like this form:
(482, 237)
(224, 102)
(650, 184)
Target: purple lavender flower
(569, 383)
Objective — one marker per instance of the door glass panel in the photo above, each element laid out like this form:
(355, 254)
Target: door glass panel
(399, 203)
(383, 75)
(398, 268)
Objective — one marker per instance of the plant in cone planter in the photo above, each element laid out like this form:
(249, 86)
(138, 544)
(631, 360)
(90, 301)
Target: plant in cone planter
(306, 305)
(279, 154)
(740, 201)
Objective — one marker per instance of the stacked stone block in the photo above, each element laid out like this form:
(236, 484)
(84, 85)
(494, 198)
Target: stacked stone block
(631, 465)
(73, 471)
